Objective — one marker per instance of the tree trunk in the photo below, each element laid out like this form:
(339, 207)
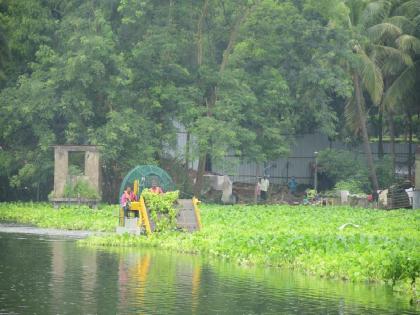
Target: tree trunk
(392, 138)
(365, 136)
(200, 175)
(210, 99)
(380, 135)
(410, 142)
(187, 152)
(187, 163)
(202, 159)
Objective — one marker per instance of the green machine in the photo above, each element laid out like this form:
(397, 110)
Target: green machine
(145, 175)
(141, 177)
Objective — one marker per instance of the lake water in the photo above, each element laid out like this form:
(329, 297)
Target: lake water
(53, 275)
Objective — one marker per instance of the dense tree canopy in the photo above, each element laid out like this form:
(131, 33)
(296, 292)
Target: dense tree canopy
(241, 77)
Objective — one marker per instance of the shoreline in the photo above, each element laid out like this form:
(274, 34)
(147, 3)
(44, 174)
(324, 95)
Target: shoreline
(17, 228)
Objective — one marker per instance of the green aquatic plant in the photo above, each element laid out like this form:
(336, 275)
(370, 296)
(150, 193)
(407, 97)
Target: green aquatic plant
(105, 218)
(162, 208)
(384, 248)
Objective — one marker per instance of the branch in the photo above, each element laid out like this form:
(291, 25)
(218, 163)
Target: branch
(200, 33)
(233, 36)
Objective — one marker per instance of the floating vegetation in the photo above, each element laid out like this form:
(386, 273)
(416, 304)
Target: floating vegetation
(68, 218)
(385, 247)
(374, 245)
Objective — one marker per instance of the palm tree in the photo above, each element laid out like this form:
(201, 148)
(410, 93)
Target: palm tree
(406, 78)
(366, 75)
(384, 45)
(397, 46)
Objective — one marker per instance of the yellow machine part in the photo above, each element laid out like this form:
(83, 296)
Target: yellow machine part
(196, 202)
(136, 187)
(140, 206)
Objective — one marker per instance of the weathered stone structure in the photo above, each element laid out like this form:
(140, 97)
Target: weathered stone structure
(416, 193)
(417, 179)
(92, 171)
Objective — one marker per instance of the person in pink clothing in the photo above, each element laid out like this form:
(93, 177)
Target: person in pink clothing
(127, 197)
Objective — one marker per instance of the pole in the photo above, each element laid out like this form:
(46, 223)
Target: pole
(316, 173)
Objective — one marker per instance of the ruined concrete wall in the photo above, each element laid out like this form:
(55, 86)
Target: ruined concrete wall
(61, 167)
(92, 171)
(417, 179)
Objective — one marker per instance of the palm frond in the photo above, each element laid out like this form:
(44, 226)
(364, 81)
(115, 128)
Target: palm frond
(409, 8)
(403, 86)
(351, 116)
(404, 23)
(416, 22)
(408, 43)
(371, 76)
(356, 8)
(383, 31)
(391, 60)
(375, 12)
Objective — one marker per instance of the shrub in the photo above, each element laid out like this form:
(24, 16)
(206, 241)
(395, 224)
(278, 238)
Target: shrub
(352, 185)
(347, 172)
(338, 165)
(80, 189)
(384, 172)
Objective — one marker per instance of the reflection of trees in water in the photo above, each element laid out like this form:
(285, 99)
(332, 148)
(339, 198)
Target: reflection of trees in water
(129, 281)
(196, 282)
(82, 280)
(24, 275)
(89, 265)
(73, 274)
(157, 283)
(58, 268)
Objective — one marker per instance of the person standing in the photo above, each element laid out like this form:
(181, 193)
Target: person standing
(257, 192)
(292, 185)
(264, 184)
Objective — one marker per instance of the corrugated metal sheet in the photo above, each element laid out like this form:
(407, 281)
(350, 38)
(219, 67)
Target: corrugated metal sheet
(301, 159)
(298, 163)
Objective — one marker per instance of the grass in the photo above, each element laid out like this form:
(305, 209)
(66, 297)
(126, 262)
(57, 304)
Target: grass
(384, 248)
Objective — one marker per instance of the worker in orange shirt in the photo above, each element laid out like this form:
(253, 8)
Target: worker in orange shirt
(155, 188)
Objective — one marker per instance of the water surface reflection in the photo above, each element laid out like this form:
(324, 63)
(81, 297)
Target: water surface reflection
(42, 275)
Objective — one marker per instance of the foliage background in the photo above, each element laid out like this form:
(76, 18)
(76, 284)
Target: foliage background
(242, 77)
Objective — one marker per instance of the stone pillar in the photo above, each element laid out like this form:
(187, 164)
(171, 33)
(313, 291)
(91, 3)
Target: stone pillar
(417, 178)
(93, 170)
(416, 193)
(61, 163)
